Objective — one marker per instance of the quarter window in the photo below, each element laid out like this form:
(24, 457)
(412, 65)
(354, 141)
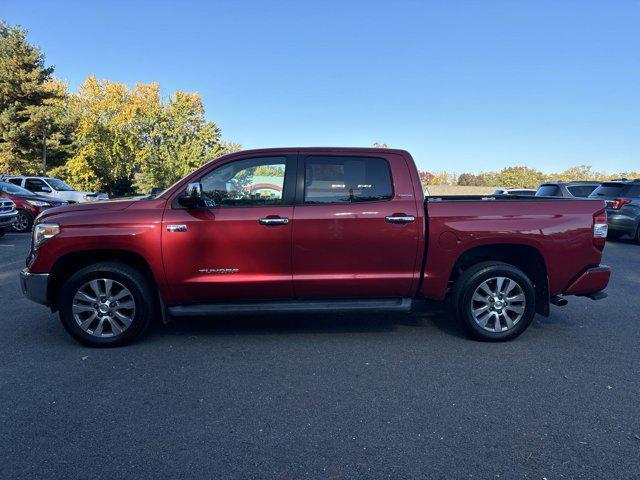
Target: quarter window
(346, 180)
(254, 181)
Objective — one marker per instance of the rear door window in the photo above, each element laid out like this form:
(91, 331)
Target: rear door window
(329, 179)
(581, 190)
(549, 191)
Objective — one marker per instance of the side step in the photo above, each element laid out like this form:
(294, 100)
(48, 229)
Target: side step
(292, 306)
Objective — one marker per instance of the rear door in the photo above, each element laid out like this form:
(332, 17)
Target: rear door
(355, 227)
(240, 247)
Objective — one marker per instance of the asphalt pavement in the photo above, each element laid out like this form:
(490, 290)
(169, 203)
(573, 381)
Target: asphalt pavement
(326, 397)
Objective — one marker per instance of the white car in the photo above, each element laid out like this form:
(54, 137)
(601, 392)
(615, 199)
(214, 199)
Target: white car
(53, 187)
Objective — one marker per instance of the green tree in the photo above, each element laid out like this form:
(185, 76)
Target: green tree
(109, 138)
(469, 179)
(178, 140)
(34, 115)
(522, 177)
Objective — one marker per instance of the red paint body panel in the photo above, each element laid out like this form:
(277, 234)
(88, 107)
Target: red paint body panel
(593, 280)
(561, 230)
(228, 238)
(349, 251)
(21, 202)
(329, 250)
(131, 226)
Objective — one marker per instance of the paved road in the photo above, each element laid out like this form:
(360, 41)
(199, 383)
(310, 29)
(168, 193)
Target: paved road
(325, 397)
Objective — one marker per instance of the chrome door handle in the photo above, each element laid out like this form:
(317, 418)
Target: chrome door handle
(400, 219)
(273, 221)
(177, 228)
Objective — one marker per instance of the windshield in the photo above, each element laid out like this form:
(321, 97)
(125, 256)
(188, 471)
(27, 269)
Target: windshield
(11, 189)
(59, 185)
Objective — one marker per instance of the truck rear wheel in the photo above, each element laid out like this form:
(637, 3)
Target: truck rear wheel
(495, 301)
(106, 304)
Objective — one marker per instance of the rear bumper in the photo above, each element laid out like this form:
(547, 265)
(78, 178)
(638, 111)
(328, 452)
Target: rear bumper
(622, 223)
(591, 281)
(35, 286)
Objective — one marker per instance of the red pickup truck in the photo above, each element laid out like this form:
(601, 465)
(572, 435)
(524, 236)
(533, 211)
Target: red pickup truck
(309, 230)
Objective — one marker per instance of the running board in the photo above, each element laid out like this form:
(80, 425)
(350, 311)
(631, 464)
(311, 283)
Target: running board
(292, 306)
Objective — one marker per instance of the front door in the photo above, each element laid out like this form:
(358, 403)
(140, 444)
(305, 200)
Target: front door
(356, 228)
(240, 247)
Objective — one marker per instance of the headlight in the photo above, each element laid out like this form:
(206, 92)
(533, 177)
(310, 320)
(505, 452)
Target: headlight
(43, 232)
(38, 203)
(86, 198)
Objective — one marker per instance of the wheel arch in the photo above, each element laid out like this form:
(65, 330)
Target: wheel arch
(525, 257)
(68, 264)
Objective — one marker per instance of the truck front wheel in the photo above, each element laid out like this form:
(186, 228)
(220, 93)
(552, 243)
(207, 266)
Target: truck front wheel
(106, 304)
(495, 301)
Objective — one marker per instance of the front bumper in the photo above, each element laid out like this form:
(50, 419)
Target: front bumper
(6, 220)
(35, 286)
(592, 280)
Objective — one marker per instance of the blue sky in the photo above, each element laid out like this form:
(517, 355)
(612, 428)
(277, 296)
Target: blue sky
(464, 86)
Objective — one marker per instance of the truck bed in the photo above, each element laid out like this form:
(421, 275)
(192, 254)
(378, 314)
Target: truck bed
(560, 230)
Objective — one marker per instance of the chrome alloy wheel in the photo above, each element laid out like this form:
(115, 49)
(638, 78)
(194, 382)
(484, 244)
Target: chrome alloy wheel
(498, 304)
(22, 222)
(103, 308)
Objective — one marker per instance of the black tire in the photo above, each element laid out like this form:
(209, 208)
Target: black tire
(2, 232)
(138, 285)
(637, 236)
(466, 286)
(26, 221)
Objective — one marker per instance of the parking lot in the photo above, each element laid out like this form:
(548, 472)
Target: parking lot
(325, 396)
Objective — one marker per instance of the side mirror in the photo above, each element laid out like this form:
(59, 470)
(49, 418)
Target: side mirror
(193, 198)
(45, 189)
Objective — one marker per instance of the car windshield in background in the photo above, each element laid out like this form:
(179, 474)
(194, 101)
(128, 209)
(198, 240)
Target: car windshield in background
(581, 190)
(11, 189)
(608, 190)
(548, 191)
(59, 185)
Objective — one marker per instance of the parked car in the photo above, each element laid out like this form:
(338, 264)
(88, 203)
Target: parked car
(623, 207)
(8, 215)
(566, 189)
(348, 230)
(53, 187)
(28, 204)
(529, 192)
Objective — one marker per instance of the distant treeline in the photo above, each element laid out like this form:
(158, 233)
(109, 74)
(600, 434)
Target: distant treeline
(522, 177)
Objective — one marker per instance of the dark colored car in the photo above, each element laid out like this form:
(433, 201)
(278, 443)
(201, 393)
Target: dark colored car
(28, 204)
(312, 230)
(622, 198)
(566, 189)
